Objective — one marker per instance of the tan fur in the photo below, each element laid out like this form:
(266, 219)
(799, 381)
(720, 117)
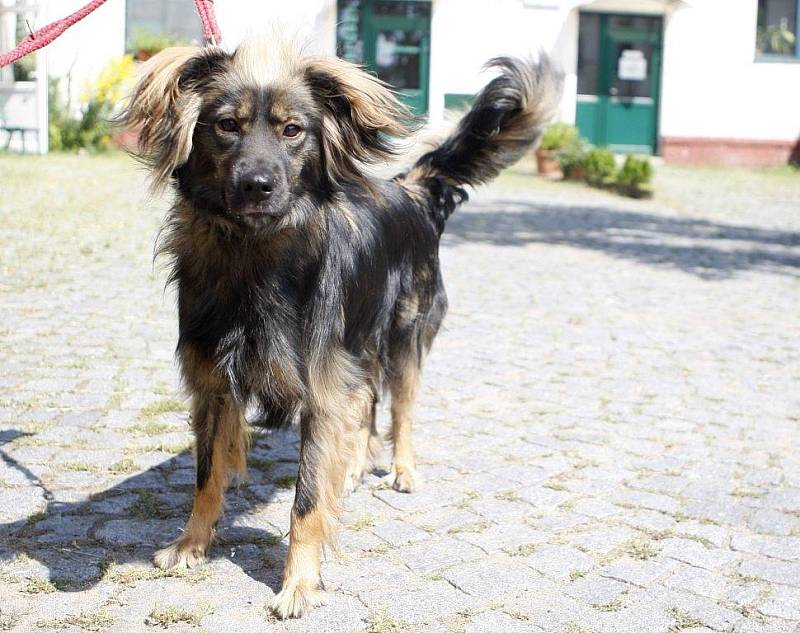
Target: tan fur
(373, 108)
(404, 396)
(338, 407)
(368, 449)
(228, 457)
(265, 61)
(340, 399)
(300, 591)
(158, 102)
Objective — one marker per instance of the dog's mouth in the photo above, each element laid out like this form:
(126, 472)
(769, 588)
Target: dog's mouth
(253, 213)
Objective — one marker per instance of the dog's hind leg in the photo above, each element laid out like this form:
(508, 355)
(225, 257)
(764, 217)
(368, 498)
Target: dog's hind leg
(368, 448)
(403, 385)
(220, 447)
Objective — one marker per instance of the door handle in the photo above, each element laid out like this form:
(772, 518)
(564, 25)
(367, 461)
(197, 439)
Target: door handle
(613, 91)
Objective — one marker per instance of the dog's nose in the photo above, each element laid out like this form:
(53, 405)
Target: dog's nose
(257, 186)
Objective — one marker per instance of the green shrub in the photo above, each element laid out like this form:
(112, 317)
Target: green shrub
(572, 157)
(558, 136)
(634, 177)
(68, 132)
(635, 172)
(90, 127)
(600, 167)
(144, 44)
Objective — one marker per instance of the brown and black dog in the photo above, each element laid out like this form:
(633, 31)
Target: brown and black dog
(306, 286)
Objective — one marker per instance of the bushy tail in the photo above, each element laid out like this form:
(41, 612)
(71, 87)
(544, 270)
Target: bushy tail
(505, 121)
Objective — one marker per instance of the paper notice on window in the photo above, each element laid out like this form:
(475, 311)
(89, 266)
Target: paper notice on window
(632, 66)
(386, 55)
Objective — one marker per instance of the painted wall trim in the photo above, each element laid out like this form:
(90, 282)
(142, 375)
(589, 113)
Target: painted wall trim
(729, 151)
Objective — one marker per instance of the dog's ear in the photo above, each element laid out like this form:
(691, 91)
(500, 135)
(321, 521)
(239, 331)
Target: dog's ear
(165, 105)
(362, 118)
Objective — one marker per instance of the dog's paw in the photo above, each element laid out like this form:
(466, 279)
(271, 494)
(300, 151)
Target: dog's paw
(404, 479)
(296, 599)
(181, 554)
(352, 481)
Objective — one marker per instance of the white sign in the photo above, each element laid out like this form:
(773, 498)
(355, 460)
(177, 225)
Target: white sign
(632, 66)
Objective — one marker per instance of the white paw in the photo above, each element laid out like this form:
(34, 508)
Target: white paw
(297, 599)
(353, 479)
(403, 479)
(180, 554)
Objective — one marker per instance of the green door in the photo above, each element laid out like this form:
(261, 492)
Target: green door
(397, 43)
(619, 76)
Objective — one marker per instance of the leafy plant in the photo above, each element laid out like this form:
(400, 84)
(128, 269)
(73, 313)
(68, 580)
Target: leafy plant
(572, 157)
(777, 39)
(144, 44)
(634, 177)
(89, 128)
(600, 167)
(558, 136)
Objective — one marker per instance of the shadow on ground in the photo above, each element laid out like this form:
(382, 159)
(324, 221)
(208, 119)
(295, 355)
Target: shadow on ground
(698, 247)
(77, 542)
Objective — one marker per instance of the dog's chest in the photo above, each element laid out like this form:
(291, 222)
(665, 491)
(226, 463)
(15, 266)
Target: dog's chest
(248, 334)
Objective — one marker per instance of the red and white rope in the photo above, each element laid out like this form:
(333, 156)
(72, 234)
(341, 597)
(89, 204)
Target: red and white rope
(45, 35)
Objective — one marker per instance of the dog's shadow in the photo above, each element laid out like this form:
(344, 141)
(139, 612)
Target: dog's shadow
(114, 533)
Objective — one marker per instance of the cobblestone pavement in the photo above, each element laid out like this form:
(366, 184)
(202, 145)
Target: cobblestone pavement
(608, 431)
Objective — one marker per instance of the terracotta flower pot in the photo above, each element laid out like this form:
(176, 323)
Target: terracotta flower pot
(547, 164)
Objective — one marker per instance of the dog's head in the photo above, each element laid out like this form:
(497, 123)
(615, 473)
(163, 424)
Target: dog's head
(247, 135)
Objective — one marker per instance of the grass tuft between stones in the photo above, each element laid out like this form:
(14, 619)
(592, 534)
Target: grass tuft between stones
(683, 620)
(95, 621)
(167, 616)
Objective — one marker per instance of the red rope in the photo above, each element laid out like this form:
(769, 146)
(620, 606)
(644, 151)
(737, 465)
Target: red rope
(210, 29)
(46, 34)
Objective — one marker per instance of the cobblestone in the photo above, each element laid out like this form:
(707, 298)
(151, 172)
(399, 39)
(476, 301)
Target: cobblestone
(607, 429)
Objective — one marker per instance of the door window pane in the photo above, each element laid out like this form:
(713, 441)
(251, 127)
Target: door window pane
(588, 53)
(397, 58)
(777, 26)
(349, 29)
(639, 23)
(402, 8)
(632, 55)
(633, 64)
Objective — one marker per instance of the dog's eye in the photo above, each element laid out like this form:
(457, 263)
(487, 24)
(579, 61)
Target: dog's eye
(292, 130)
(228, 125)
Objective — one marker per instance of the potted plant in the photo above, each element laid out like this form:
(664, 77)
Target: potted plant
(600, 167)
(144, 44)
(634, 178)
(555, 138)
(572, 157)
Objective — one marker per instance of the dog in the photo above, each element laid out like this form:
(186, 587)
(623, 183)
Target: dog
(306, 287)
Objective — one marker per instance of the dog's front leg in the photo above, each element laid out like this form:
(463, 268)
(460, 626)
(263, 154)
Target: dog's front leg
(328, 441)
(220, 448)
(313, 514)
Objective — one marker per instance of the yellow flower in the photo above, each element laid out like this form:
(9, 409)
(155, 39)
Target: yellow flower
(113, 83)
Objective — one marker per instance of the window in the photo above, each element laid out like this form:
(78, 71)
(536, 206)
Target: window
(349, 28)
(588, 53)
(776, 33)
(151, 25)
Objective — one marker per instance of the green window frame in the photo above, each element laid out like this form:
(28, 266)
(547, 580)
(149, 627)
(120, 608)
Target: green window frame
(771, 36)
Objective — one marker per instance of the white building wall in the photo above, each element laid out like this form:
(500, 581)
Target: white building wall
(86, 48)
(309, 22)
(465, 34)
(712, 85)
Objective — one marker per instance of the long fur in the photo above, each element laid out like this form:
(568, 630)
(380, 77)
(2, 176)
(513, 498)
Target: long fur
(505, 121)
(307, 295)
